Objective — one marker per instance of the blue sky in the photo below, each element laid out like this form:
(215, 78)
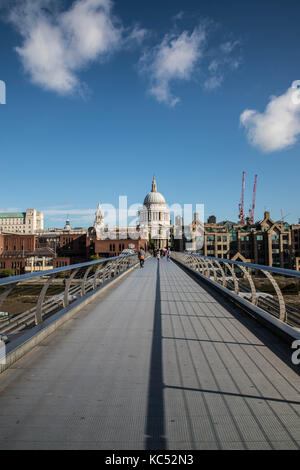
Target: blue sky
(156, 87)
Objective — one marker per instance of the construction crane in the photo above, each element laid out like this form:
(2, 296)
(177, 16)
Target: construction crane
(251, 210)
(283, 216)
(241, 205)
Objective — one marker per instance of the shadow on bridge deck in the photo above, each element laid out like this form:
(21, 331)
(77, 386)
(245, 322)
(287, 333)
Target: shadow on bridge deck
(161, 362)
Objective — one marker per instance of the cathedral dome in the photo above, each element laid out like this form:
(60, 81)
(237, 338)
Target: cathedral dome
(154, 197)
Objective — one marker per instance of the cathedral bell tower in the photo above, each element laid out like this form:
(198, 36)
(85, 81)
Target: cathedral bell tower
(99, 219)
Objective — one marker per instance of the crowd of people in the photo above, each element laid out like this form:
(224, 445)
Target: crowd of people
(162, 253)
(156, 253)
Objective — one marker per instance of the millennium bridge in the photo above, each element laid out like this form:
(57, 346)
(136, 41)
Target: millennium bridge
(191, 353)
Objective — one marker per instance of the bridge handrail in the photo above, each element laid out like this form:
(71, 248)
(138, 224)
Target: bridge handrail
(89, 274)
(222, 271)
(25, 277)
(282, 271)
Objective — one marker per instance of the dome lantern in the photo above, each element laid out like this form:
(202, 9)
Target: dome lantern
(154, 185)
(154, 197)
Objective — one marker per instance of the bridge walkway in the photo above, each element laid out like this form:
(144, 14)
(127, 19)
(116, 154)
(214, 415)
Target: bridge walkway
(158, 362)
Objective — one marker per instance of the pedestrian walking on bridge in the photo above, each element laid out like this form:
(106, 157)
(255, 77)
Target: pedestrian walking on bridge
(142, 257)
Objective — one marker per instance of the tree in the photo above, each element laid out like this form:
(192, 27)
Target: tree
(151, 242)
(95, 258)
(6, 273)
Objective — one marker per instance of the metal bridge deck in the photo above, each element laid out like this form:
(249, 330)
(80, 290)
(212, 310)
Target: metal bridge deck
(158, 362)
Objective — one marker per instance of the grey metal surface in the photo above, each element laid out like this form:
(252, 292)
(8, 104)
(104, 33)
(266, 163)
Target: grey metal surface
(159, 362)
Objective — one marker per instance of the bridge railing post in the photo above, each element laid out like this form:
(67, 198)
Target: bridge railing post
(38, 312)
(282, 306)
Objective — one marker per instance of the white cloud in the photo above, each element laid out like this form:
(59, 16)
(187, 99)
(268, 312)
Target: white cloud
(228, 46)
(11, 209)
(213, 82)
(63, 212)
(278, 127)
(79, 217)
(213, 66)
(178, 17)
(59, 214)
(180, 54)
(136, 35)
(219, 65)
(58, 44)
(175, 58)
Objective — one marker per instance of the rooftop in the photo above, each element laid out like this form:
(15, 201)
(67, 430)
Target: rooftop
(12, 215)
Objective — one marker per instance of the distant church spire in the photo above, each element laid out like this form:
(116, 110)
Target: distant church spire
(99, 219)
(99, 210)
(154, 185)
(67, 226)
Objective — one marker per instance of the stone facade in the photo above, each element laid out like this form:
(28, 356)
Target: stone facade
(154, 218)
(30, 221)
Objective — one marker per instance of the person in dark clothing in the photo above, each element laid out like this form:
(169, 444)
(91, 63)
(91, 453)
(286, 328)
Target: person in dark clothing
(142, 257)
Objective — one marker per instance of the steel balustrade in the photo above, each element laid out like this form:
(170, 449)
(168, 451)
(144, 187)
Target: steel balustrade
(86, 277)
(242, 279)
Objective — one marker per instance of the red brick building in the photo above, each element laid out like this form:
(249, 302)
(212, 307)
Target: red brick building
(108, 248)
(27, 253)
(74, 246)
(15, 264)
(14, 250)
(12, 243)
(61, 262)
